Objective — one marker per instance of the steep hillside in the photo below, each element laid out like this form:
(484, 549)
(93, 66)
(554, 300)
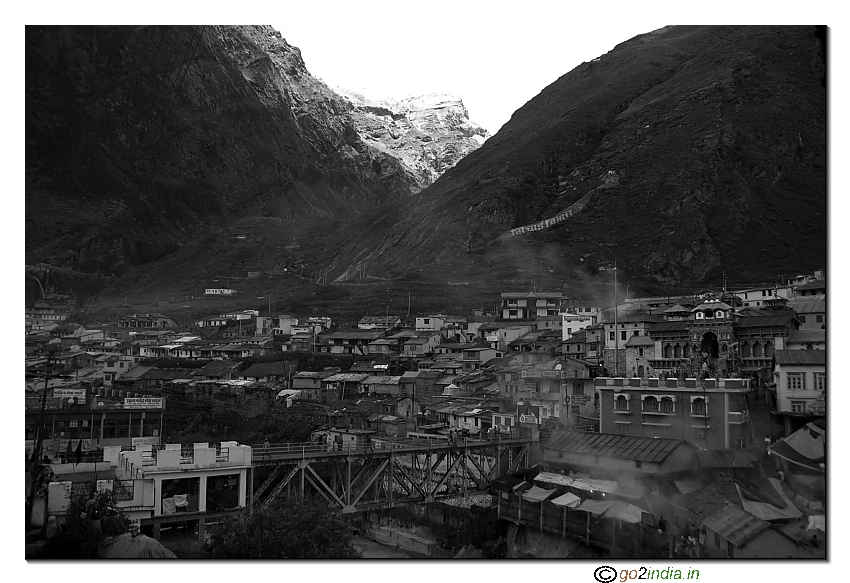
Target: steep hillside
(428, 133)
(141, 139)
(701, 149)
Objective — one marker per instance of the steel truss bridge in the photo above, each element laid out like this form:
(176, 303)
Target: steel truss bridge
(386, 474)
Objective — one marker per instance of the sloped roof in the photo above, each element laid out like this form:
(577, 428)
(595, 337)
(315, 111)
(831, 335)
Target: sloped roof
(733, 523)
(217, 368)
(817, 284)
(267, 368)
(807, 306)
(803, 336)
(640, 341)
(630, 318)
(347, 377)
(647, 449)
(775, 320)
(163, 374)
(669, 326)
(578, 337)
(712, 306)
(800, 356)
(358, 334)
(677, 308)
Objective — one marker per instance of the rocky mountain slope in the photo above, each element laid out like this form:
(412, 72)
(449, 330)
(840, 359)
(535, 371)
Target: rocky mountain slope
(428, 133)
(693, 149)
(140, 140)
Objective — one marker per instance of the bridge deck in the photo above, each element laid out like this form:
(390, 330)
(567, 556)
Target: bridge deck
(277, 453)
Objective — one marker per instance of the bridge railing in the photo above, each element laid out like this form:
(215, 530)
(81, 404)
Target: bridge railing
(304, 449)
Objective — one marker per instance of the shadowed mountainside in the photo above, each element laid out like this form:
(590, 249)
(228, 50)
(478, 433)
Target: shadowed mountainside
(715, 138)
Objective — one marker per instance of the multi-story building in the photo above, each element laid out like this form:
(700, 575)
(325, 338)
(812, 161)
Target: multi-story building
(430, 322)
(711, 414)
(798, 393)
(811, 312)
(349, 341)
(147, 321)
(571, 323)
(531, 305)
(80, 413)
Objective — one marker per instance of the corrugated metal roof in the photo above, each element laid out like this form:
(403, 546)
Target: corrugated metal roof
(802, 336)
(668, 326)
(777, 320)
(649, 449)
(640, 341)
(818, 284)
(733, 523)
(807, 306)
(800, 356)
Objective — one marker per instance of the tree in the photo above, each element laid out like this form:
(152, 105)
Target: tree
(80, 537)
(286, 530)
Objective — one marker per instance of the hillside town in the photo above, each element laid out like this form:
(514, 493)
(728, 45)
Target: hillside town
(686, 426)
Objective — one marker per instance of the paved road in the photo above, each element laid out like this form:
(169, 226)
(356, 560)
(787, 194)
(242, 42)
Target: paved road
(372, 550)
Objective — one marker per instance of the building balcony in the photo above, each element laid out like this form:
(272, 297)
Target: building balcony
(657, 412)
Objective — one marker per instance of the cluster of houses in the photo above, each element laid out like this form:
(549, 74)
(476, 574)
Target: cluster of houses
(714, 380)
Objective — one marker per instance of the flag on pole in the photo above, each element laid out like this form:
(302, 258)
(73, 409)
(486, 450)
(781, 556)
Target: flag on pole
(78, 455)
(69, 451)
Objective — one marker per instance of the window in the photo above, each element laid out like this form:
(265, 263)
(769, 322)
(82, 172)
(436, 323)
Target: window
(610, 336)
(819, 319)
(512, 312)
(820, 381)
(621, 403)
(802, 319)
(798, 406)
(796, 381)
(578, 388)
(698, 407)
(667, 405)
(637, 463)
(426, 321)
(640, 351)
(623, 335)
(635, 332)
(623, 428)
(702, 434)
(717, 540)
(650, 404)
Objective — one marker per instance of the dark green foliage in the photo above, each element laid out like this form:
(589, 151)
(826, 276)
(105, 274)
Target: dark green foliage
(286, 530)
(79, 538)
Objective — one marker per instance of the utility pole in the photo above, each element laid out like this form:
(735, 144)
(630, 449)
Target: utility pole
(408, 303)
(616, 331)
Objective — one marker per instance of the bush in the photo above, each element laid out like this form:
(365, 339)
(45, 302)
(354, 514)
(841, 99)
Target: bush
(288, 529)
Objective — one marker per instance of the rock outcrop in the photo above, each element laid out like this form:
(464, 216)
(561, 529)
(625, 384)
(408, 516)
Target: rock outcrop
(429, 133)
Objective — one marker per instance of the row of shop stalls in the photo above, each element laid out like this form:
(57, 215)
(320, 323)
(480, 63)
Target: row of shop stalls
(623, 516)
(602, 513)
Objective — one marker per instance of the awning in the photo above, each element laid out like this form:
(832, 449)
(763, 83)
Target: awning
(596, 507)
(568, 500)
(521, 487)
(588, 485)
(537, 494)
(769, 511)
(624, 511)
(550, 478)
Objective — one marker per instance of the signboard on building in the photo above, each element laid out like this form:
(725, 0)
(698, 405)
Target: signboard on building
(63, 445)
(579, 399)
(30, 444)
(219, 292)
(528, 419)
(145, 441)
(143, 403)
(69, 393)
